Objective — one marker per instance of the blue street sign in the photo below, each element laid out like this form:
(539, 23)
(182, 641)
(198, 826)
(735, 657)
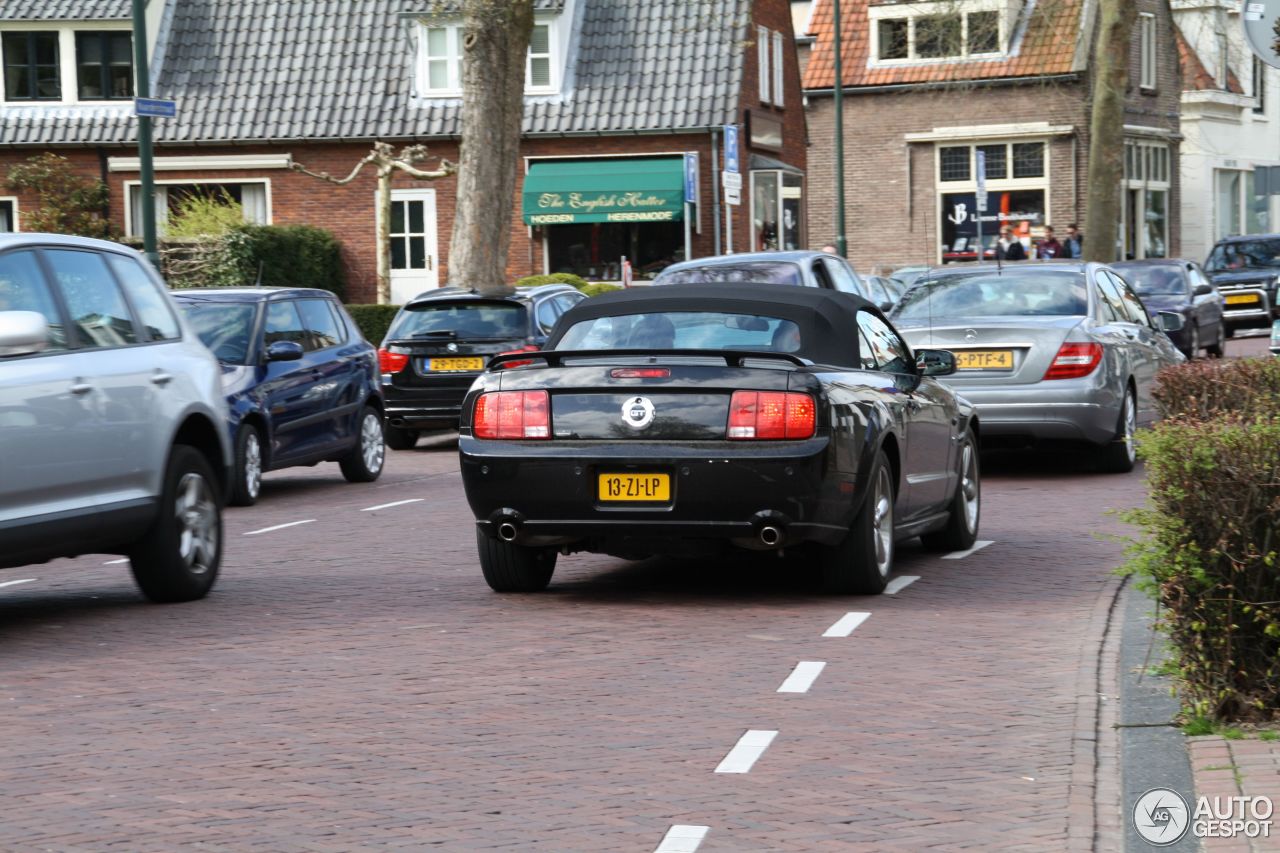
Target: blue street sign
(731, 148)
(691, 177)
(155, 107)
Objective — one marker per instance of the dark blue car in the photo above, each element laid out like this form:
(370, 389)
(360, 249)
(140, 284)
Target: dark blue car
(301, 381)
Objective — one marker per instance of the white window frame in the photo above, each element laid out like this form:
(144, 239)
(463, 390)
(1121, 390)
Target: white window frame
(1222, 69)
(553, 81)
(162, 211)
(1152, 162)
(912, 12)
(453, 60)
(1147, 51)
(1044, 183)
(68, 77)
(12, 201)
(779, 82)
(1259, 87)
(762, 62)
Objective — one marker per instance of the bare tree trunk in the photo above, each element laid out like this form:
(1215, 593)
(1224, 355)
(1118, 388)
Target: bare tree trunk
(1106, 129)
(495, 43)
(384, 234)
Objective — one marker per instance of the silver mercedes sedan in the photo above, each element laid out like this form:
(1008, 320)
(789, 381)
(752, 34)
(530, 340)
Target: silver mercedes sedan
(1054, 351)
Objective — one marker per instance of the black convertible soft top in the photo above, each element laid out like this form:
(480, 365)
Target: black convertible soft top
(827, 318)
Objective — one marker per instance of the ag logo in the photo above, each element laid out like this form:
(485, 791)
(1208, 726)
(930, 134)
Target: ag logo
(1161, 817)
(637, 412)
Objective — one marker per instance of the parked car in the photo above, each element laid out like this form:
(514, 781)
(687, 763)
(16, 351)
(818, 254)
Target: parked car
(1056, 351)
(885, 292)
(1180, 286)
(1247, 271)
(803, 268)
(112, 421)
(440, 341)
(908, 275)
(300, 381)
(694, 420)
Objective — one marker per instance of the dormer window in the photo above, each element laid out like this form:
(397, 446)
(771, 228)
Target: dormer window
(66, 65)
(928, 31)
(440, 60)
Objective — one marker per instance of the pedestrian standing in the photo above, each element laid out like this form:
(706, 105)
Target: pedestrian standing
(1049, 247)
(1073, 245)
(1009, 247)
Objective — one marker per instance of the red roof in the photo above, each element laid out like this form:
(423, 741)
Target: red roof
(1044, 45)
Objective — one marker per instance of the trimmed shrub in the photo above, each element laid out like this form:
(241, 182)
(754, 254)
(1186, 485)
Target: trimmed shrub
(373, 320)
(598, 287)
(1201, 390)
(204, 214)
(555, 278)
(291, 256)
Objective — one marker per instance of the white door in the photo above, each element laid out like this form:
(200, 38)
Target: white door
(413, 244)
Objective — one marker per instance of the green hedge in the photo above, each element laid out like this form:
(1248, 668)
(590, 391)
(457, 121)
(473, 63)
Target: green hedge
(373, 320)
(555, 278)
(598, 287)
(290, 256)
(1211, 536)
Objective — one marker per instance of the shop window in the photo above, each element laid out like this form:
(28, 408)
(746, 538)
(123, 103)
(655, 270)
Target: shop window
(104, 66)
(32, 71)
(953, 163)
(595, 250)
(1028, 159)
(938, 36)
(983, 34)
(996, 167)
(892, 34)
(1147, 35)
(764, 211)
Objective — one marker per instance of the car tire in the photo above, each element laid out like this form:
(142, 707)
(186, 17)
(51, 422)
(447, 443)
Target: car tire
(401, 439)
(1120, 454)
(364, 463)
(1193, 347)
(861, 563)
(1231, 332)
(1218, 348)
(247, 482)
(966, 506)
(509, 567)
(178, 558)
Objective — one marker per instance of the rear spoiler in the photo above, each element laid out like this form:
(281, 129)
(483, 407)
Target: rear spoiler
(555, 358)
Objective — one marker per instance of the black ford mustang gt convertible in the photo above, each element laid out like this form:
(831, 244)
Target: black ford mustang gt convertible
(684, 420)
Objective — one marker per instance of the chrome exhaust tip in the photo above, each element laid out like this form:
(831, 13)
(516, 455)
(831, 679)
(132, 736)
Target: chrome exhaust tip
(507, 531)
(770, 535)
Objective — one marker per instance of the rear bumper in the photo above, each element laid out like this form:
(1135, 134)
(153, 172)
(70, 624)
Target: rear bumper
(437, 407)
(548, 494)
(1059, 410)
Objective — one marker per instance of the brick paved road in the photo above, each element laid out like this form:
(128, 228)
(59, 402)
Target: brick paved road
(352, 683)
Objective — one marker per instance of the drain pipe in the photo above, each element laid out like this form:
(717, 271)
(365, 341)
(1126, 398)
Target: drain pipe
(715, 186)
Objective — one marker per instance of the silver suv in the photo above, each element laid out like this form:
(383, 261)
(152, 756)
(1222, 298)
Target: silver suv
(113, 434)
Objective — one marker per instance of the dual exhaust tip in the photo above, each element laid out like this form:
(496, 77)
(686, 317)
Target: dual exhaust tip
(507, 531)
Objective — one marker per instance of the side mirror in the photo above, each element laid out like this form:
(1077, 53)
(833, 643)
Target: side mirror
(1275, 338)
(22, 333)
(284, 351)
(935, 362)
(1171, 322)
(1202, 290)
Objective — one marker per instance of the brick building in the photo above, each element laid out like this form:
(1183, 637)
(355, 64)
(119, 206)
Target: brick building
(929, 85)
(617, 91)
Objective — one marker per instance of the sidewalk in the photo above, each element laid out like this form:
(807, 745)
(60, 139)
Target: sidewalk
(1230, 768)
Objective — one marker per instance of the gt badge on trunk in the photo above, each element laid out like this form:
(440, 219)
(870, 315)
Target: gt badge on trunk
(637, 412)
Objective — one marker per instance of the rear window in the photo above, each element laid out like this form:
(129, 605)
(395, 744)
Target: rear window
(226, 328)
(1147, 281)
(472, 320)
(1025, 293)
(683, 330)
(767, 272)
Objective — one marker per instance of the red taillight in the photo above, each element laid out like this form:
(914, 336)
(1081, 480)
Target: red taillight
(757, 415)
(1074, 361)
(525, 348)
(513, 414)
(640, 372)
(391, 362)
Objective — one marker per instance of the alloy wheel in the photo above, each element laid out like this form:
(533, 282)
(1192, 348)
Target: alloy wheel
(196, 514)
(1130, 426)
(252, 464)
(969, 485)
(371, 444)
(882, 522)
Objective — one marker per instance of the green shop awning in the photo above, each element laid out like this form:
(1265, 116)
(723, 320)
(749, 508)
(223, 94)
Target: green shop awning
(622, 190)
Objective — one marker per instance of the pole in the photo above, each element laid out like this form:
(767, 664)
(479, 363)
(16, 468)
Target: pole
(715, 188)
(688, 231)
(146, 167)
(842, 242)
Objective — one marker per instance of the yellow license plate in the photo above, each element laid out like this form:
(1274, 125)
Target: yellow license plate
(1242, 299)
(455, 364)
(635, 488)
(977, 359)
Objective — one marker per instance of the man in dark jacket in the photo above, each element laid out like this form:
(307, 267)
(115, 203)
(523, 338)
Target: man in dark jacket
(1073, 245)
(1049, 247)
(1010, 248)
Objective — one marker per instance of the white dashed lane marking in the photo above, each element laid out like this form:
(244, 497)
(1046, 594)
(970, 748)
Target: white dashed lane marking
(746, 751)
(393, 503)
(900, 583)
(682, 838)
(845, 625)
(802, 677)
(15, 583)
(960, 555)
(279, 527)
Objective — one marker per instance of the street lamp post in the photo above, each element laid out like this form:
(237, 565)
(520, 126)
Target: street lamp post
(842, 243)
(146, 167)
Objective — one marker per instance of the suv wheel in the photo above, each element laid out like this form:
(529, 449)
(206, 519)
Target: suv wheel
(364, 463)
(248, 473)
(178, 558)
